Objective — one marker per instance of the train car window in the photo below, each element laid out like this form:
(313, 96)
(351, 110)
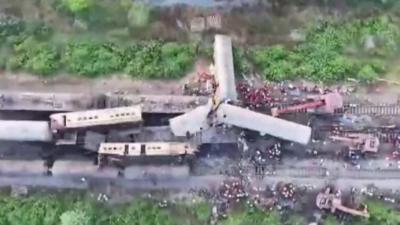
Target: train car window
(158, 147)
(122, 114)
(116, 115)
(64, 118)
(96, 117)
(142, 149)
(90, 118)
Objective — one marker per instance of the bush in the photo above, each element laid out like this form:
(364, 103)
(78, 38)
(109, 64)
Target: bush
(156, 60)
(367, 73)
(92, 59)
(274, 63)
(241, 63)
(75, 217)
(141, 213)
(34, 57)
(256, 217)
(323, 57)
(382, 214)
(33, 211)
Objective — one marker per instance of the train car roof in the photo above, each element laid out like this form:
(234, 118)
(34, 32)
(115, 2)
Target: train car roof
(136, 108)
(224, 70)
(264, 124)
(192, 122)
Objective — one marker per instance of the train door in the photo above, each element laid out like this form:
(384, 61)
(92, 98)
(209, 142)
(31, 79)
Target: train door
(142, 149)
(64, 119)
(126, 150)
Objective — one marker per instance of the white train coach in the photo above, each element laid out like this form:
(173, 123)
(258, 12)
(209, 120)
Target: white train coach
(146, 149)
(98, 117)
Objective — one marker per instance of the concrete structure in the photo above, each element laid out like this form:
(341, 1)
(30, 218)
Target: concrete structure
(264, 124)
(20, 130)
(157, 103)
(224, 70)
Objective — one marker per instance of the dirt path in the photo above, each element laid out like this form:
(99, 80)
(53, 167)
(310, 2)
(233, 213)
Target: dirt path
(25, 82)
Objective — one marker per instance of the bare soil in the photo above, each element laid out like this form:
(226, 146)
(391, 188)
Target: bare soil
(64, 83)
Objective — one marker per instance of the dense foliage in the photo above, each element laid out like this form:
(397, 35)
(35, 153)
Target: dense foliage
(34, 56)
(91, 59)
(31, 51)
(72, 209)
(156, 60)
(253, 217)
(333, 51)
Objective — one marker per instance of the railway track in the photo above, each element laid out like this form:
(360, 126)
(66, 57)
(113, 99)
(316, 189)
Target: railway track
(299, 176)
(81, 167)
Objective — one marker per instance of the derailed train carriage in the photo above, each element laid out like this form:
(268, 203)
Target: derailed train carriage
(124, 154)
(68, 128)
(95, 118)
